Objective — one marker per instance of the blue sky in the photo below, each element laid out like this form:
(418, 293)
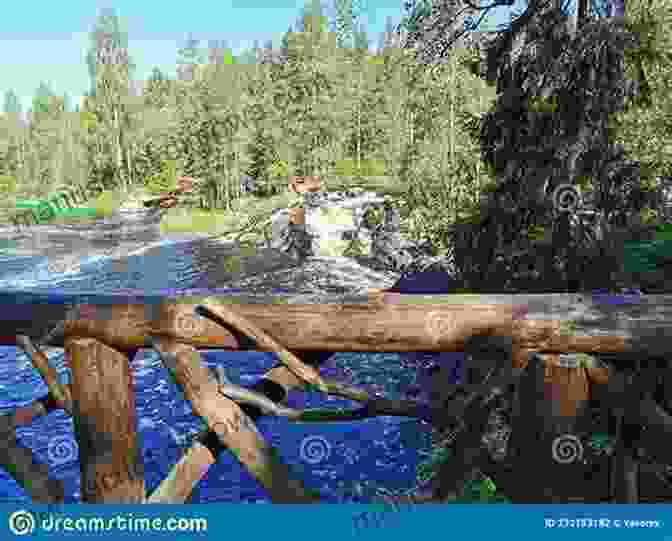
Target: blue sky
(47, 41)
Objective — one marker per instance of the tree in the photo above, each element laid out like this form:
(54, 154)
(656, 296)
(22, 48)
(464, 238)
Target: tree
(189, 56)
(109, 100)
(12, 142)
(303, 93)
(344, 22)
(11, 103)
(107, 27)
(388, 38)
(644, 128)
(220, 54)
(248, 56)
(312, 19)
(285, 43)
(157, 89)
(42, 100)
(67, 103)
(361, 39)
(531, 155)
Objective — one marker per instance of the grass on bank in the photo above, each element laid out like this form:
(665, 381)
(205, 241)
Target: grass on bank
(250, 216)
(248, 219)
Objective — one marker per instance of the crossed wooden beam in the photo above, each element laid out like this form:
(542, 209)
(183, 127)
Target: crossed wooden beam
(100, 340)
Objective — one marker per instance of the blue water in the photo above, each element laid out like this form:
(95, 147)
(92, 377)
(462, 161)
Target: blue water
(346, 462)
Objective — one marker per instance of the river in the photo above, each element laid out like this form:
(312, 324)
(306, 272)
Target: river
(346, 462)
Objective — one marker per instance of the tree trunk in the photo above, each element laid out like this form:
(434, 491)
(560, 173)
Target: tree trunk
(399, 323)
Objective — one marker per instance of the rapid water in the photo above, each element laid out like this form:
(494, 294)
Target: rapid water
(344, 461)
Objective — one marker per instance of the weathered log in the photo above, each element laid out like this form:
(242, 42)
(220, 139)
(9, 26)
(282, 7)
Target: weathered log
(354, 327)
(231, 426)
(566, 393)
(184, 476)
(227, 316)
(60, 393)
(19, 462)
(110, 456)
(628, 329)
(196, 462)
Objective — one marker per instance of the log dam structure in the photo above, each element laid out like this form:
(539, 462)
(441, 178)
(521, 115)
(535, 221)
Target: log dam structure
(100, 334)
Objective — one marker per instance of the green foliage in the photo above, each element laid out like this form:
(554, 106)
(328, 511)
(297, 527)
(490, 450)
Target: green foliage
(164, 180)
(543, 105)
(344, 114)
(344, 22)
(106, 203)
(279, 169)
(535, 232)
(481, 490)
(364, 168)
(645, 127)
(42, 101)
(7, 185)
(417, 11)
(11, 103)
(356, 248)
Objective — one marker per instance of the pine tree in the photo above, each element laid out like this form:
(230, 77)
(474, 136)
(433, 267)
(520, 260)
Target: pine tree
(188, 58)
(344, 23)
(11, 103)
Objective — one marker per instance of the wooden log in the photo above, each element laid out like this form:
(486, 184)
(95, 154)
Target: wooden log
(566, 393)
(184, 476)
(355, 327)
(105, 423)
(232, 427)
(628, 330)
(229, 317)
(59, 392)
(19, 462)
(196, 462)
